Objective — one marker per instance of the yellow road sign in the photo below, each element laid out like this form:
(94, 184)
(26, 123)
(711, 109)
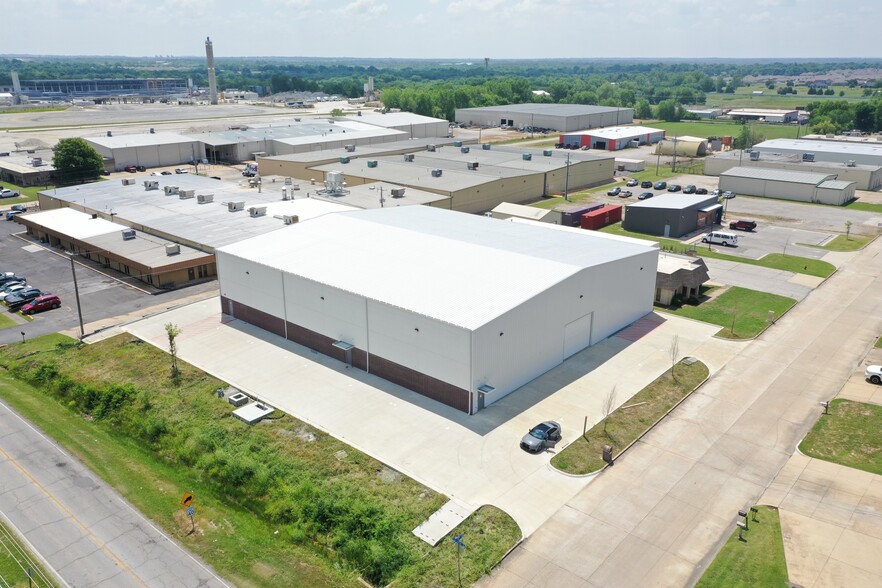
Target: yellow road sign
(188, 499)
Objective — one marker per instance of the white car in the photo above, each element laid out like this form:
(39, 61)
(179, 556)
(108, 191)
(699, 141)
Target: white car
(11, 290)
(874, 373)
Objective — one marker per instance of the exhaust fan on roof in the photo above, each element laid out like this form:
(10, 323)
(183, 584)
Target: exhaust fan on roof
(151, 185)
(170, 190)
(235, 206)
(256, 211)
(204, 198)
(128, 181)
(128, 234)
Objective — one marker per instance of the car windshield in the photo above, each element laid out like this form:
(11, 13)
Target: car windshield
(539, 432)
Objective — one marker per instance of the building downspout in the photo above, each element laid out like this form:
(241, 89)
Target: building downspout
(367, 338)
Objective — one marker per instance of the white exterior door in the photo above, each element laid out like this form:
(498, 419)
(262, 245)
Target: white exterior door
(577, 335)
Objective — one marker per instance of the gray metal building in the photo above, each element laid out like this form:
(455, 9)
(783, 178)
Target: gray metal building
(560, 117)
(788, 185)
(673, 215)
(841, 152)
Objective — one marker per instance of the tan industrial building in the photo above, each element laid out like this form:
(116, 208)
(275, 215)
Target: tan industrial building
(865, 176)
(558, 117)
(27, 170)
(788, 185)
(764, 114)
(146, 149)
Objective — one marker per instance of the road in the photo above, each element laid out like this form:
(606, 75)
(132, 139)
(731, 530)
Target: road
(658, 517)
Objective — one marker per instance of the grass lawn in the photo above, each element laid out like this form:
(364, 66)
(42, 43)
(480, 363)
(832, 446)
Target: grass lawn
(28, 194)
(719, 129)
(757, 561)
(6, 322)
(15, 560)
(624, 425)
(879, 343)
(790, 263)
(865, 206)
(850, 435)
(841, 243)
(278, 504)
(742, 313)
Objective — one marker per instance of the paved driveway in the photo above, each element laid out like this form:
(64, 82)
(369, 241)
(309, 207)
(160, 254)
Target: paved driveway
(761, 278)
(474, 459)
(658, 517)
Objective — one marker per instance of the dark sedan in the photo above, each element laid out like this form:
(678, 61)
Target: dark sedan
(645, 195)
(22, 297)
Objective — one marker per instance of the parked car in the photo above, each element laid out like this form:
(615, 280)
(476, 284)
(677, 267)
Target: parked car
(541, 437)
(645, 184)
(155, 173)
(722, 238)
(631, 183)
(22, 297)
(874, 374)
(7, 193)
(743, 225)
(132, 169)
(625, 194)
(12, 283)
(165, 172)
(689, 189)
(21, 207)
(661, 185)
(674, 188)
(181, 170)
(645, 195)
(716, 192)
(41, 303)
(12, 289)
(701, 190)
(11, 214)
(728, 194)
(7, 277)
(613, 191)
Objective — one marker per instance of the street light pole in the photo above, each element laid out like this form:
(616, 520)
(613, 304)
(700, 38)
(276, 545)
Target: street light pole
(77, 295)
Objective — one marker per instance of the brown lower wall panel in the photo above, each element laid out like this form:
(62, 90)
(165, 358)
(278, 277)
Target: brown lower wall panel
(419, 382)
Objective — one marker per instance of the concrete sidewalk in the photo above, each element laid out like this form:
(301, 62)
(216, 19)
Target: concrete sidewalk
(659, 516)
(831, 520)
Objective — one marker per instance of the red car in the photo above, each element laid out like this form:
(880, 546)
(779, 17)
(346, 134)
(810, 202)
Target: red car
(40, 303)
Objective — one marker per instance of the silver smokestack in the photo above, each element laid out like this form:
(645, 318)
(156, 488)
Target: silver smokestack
(16, 88)
(212, 80)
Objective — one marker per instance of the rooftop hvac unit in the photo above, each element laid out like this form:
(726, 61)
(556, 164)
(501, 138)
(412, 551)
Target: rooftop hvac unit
(436, 173)
(172, 249)
(430, 148)
(808, 156)
(109, 133)
(408, 157)
(4, 153)
(128, 234)
(288, 181)
(37, 161)
(290, 219)
(547, 152)
(754, 155)
(463, 149)
(294, 187)
(184, 194)
(169, 190)
(151, 185)
(128, 181)
(234, 206)
(851, 163)
(344, 159)
(486, 146)
(204, 198)
(472, 165)
(349, 148)
(372, 163)
(526, 156)
(397, 192)
(256, 211)
(334, 181)
(152, 131)
(457, 143)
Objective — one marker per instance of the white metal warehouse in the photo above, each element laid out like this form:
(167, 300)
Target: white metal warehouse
(462, 309)
(559, 117)
(841, 152)
(787, 185)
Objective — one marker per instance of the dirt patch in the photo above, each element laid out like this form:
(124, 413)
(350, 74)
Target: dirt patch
(388, 475)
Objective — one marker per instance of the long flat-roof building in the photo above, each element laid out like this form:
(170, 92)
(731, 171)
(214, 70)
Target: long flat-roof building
(764, 114)
(27, 170)
(788, 185)
(841, 152)
(460, 308)
(146, 149)
(558, 117)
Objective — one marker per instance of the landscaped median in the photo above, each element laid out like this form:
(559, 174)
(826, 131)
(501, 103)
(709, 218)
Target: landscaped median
(849, 435)
(750, 558)
(277, 504)
(626, 424)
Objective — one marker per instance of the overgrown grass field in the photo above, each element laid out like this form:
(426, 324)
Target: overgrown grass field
(850, 435)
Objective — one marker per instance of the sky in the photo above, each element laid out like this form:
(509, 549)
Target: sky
(456, 29)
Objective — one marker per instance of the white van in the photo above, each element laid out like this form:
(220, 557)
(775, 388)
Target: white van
(721, 238)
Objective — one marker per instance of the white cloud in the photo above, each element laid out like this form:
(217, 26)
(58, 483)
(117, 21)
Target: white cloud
(420, 19)
(364, 8)
(460, 6)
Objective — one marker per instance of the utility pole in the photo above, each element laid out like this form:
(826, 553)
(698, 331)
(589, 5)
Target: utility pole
(77, 295)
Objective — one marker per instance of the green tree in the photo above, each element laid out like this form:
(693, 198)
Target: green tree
(670, 111)
(643, 109)
(76, 161)
(173, 330)
(337, 112)
(822, 125)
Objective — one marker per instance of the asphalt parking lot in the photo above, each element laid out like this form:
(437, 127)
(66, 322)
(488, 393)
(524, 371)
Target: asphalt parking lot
(102, 295)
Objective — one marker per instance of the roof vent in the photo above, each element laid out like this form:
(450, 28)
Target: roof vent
(290, 219)
(109, 133)
(128, 181)
(486, 146)
(284, 192)
(151, 185)
(37, 161)
(256, 211)
(850, 163)
(349, 148)
(547, 152)
(372, 163)
(526, 156)
(472, 165)
(436, 173)
(430, 148)
(172, 249)
(344, 159)
(204, 198)
(288, 181)
(408, 157)
(128, 234)
(457, 143)
(152, 131)
(397, 192)
(463, 149)
(169, 190)
(184, 194)
(234, 206)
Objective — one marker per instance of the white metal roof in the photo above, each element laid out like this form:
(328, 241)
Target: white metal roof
(454, 267)
(140, 140)
(522, 210)
(74, 223)
(760, 112)
(618, 132)
(777, 175)
(673, 201)
(547, 109)
(836, 184)
(807, 146)
(395, 119)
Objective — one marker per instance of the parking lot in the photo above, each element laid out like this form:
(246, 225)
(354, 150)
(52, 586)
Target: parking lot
(103, 294)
